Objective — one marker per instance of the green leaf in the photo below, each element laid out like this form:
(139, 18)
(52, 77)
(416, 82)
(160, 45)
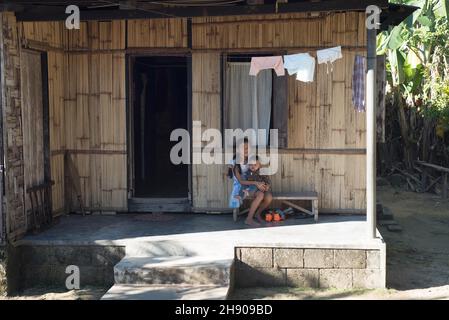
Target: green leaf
(381, 43)
(397, 60)
(425, 21)
(411, 19)
(413, 60)
(395, 40)
(441, 9)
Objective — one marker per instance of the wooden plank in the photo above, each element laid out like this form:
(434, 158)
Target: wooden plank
(281, 109)
(146, 11)
(434, 166)
(293, 205)
(32, 120)
(305, 195)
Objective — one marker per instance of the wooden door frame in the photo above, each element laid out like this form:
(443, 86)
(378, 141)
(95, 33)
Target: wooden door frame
(130, 60)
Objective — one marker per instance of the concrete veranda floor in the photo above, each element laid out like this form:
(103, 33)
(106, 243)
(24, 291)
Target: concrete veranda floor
(191, 234)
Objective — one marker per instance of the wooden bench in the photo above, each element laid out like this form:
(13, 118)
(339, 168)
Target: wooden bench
(287, 198)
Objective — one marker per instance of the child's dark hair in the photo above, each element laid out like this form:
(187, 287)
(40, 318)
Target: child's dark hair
(236, 165)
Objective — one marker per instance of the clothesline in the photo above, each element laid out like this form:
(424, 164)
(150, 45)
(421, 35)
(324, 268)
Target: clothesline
(303, 66)
(250, 56)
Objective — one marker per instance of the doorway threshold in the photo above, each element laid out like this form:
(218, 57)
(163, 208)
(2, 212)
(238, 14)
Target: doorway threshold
(159, 205)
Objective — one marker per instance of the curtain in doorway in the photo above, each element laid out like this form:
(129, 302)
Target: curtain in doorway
(248, 98)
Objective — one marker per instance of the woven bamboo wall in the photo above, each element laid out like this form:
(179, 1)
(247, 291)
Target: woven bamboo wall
(49, 36)
(95, 126)
(86, 73)
(158, 33)
(97, 35)
(321, 115)
(92, 122)
(32, 120)
(208, 180)
(282, 30)
(44, 34)
(56, 67)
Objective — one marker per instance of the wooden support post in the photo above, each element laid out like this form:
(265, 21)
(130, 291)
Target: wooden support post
(371, 133)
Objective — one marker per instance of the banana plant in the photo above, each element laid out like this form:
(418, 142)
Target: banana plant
(417, 51)
(415, 46)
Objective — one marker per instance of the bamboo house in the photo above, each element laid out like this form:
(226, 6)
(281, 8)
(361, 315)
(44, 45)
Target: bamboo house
(79, 107)
(87, 112)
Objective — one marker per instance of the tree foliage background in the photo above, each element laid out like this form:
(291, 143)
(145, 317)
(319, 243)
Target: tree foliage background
(417, 116)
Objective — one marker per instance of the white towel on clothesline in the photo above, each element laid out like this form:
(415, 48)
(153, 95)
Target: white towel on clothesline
(329, 55)
(301, 64)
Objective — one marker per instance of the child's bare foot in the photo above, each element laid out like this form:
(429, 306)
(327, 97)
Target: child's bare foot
(252, 223)
(259, 218)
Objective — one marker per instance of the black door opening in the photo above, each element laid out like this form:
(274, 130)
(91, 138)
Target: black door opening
(160, 106)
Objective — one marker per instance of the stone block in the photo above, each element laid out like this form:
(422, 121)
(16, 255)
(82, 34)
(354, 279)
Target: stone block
(367, 278)
(318, 258)
(350, 259)
(373, 259)
(289, 258)
(246, 276)
(256, 257)
(303, 278)
(336, 278)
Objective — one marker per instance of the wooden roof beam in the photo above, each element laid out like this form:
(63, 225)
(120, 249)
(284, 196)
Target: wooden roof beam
(148, 11)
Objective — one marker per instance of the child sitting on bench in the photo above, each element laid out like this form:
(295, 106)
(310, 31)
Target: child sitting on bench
(249, 184)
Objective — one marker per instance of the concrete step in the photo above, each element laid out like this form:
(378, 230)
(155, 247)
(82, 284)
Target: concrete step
(166, 292)
(173, 270)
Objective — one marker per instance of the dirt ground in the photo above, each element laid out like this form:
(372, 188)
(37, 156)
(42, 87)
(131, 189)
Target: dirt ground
(417, 258)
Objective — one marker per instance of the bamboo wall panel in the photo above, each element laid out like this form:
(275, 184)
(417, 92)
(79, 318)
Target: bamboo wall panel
(32, 120)
(49, 34)
(279, 31)
(321, 114)
(336, 178)
(95, 117)
(158, 33)
(56, 71)
(97, 35)
(50, 37)
(208, 180)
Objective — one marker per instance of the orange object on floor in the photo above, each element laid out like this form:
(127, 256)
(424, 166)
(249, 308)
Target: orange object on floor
(268, 217)
(277, 217)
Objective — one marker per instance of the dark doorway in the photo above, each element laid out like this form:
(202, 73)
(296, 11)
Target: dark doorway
(160, 105)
